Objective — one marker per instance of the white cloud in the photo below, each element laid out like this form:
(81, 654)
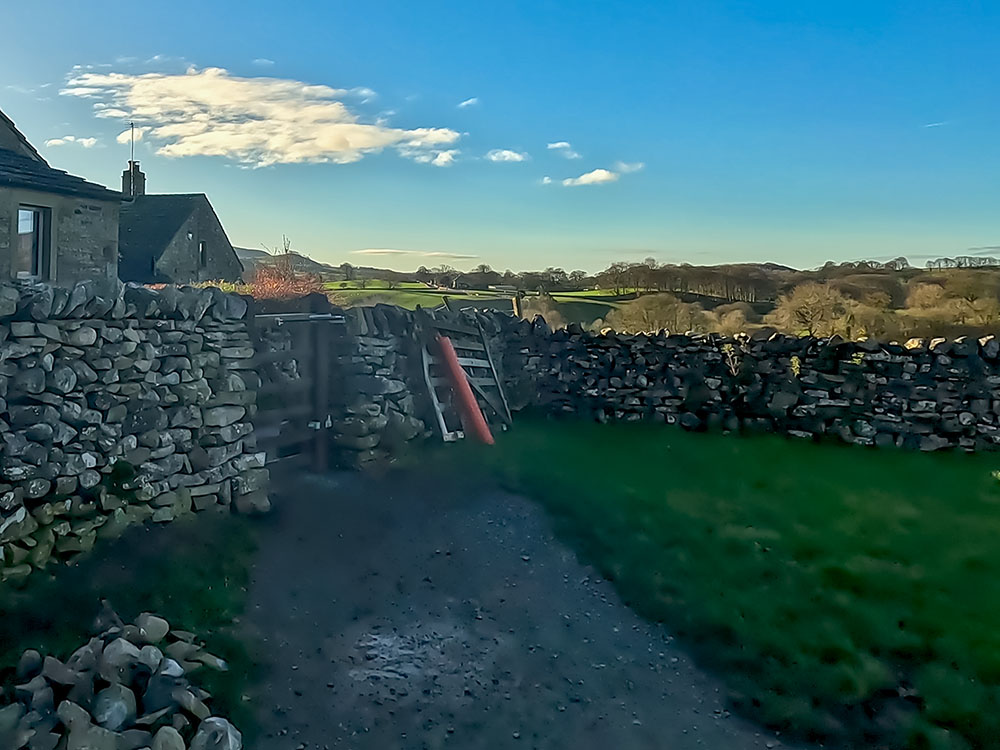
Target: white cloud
(624, 168)
(256, 121)
(72, 139)
(564, 148)
(546, 180)
(437, 158)
(126, 135)
(413, 253)
(109, 113)
(469, 102)
(595, 177)
(263, 62)
(444, 158)
(504, 154)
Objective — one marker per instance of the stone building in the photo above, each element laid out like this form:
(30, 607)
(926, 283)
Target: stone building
(53, 226)
(171, 238)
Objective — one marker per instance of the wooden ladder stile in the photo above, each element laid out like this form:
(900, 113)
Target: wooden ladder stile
(476, 362)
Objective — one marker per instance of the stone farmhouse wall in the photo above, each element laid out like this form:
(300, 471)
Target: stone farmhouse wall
(117, 408)
(924, 394)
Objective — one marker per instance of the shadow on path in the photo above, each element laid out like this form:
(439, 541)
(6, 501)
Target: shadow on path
(394, 614)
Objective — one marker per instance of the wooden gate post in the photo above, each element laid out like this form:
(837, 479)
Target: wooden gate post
(321, 393)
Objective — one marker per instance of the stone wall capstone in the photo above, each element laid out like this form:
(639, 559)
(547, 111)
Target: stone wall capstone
(120, 404)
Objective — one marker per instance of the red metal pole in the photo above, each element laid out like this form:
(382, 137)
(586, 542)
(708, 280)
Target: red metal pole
(473, 421)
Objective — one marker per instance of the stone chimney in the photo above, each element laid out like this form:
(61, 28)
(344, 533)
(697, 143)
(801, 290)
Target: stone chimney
(133, 181)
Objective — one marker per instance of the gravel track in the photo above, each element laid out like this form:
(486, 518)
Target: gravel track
(395, 614)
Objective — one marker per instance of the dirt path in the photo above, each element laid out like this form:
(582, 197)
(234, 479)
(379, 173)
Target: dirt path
(392, 618)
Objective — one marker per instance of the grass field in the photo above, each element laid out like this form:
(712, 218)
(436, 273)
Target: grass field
(597, 293)
(408, 295)
(843, 593)
(374, 284)
(401, 297)
(581, 310)
(193, 572)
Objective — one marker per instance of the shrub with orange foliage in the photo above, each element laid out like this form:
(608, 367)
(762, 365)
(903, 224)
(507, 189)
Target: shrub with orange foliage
(273, 281)
(280, 281)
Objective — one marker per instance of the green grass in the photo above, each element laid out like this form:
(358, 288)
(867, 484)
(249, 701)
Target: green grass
(194, 572)
(401, 297)
(595, 293)
(582, 311)
(821, 581)
(407, 297)
(373, 284)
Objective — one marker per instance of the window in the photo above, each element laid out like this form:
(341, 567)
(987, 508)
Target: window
(203, 254)
(31, 256)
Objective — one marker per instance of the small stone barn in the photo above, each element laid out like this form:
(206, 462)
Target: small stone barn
(174, 239)
(54, 227)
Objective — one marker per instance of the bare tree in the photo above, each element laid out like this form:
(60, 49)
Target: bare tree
(810, 308)
(653, 312)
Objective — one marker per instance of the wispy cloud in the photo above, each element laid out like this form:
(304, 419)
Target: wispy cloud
(263, 62)
(504, 154)
(546, 180)
(594, 177)
(256, 121)
(936, 124)
(625, 168)
(412, 253)
(984, 250)
(29, 90)
(564, 148)
(468, 102)
(67, 140)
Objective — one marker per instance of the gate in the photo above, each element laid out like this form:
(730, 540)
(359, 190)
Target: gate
(296, 356)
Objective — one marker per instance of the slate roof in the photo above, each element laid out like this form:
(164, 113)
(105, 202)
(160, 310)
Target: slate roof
(17, 170)
(146, 225)
(6, 121)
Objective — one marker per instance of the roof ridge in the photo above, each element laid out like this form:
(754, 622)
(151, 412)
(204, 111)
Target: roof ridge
(21, 170)
(20, 136)
(172, 195)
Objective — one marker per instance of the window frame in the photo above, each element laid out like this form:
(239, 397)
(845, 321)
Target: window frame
(41, 261)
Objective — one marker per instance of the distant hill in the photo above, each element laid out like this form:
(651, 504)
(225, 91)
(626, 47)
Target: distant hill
(249, 254)
(304, 264)
(300, 263)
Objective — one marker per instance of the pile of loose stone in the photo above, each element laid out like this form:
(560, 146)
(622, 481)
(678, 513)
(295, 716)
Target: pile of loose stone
(157, 383)
(128, 688)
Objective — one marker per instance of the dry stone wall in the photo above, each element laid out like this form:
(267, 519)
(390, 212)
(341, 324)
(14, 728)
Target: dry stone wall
(924, 394)
(384, 397)
(375, 394)
(117, 405)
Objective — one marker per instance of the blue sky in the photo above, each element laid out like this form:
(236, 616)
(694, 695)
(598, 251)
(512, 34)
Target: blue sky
(710, 131)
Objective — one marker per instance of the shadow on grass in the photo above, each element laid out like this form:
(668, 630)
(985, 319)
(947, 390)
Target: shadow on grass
(846, 595)
(194, 572)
